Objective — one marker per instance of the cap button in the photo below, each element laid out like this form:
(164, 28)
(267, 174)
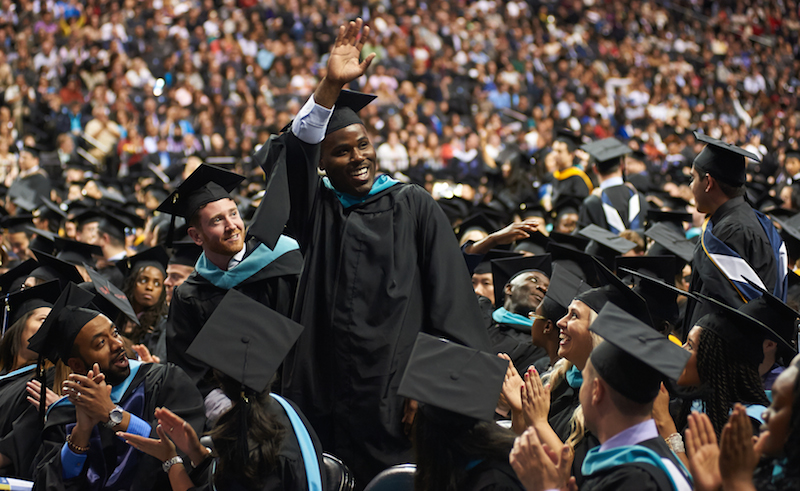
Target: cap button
(454, 375)
(642, 339)
(245, 339)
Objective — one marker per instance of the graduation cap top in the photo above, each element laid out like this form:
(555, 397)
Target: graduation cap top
(453, 377)
(775, 313)
(346, 108)
(656, 284)
(245, 340)
(476, 222)
(12, 280)
(674, 217)
(155, 256)
(186, 253)
(615, 291)
(566, 135)
(633, 358)
(108, 299)
(20, 303)
(205, 185)
(504, 270)
(564, 286)
(743, 333)
(114, 225)
(577, 262)
(722, 160)
(672, 241)
(55, 337)
(77, 253)
(607, 238)
(606, 152)
(572, 241)
(17, 223)
(485, 266)
(52, 268)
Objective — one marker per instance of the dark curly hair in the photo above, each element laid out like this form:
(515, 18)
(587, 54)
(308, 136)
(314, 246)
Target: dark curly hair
(150, 316)
(727, 380)
(263, 434)
(445, 442)
(763, 477)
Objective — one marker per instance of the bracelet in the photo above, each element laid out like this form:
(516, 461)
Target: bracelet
(675, 442)
(167, 465)
(76, 448)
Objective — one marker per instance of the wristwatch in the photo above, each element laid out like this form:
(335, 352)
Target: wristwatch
(167, 464)
(114, 417)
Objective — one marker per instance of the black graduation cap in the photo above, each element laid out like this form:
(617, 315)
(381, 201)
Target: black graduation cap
(788, 231)
(571, 138)
(31, 150)
(70, 313)
(155, 256)
(19, 303)
(22, 191)
(186, 253)
(577, 262)
(26, 202)
(346, 108)
(108, 299)
(672, 217)
(570, 240)
(566, 203)
(633, 358)
(606, 152)
(662, 267)
(116, 224)
(43, 240)
(614, 290)
(775, 313)
(16, 224)
(503, 270)
(722, 160)
(453, 377)
(607, 238)
(485, 266)
(49, 209)
(743, 333)
(206, 184)
(531, 209)
(12, 280)
(564, 286)
(51, 268)
(536, 244)
(245, 340)
(672, 241)
(660, 293)
(478, 221)
(455, 208)
(77, 253)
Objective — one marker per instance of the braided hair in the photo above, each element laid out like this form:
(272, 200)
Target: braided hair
(728, 380)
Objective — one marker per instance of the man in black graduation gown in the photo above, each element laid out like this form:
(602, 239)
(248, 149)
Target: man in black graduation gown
(614, 205)
(107, 232)
(32, 180)
(568, 179)
(80, 449)
(620, 382)
(737, 241)
(267, 275)
(381, 265)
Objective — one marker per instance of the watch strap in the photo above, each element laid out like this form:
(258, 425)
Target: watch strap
(167, 464)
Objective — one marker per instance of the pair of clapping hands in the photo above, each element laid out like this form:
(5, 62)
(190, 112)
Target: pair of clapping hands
(730, 464)
(172, 432)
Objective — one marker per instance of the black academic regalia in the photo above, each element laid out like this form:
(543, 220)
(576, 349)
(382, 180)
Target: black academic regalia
(195, 300)
(571, 186)
(591, 211)
(491, 475)
(634, 476)
(113, 274)
(515, 341)
(564, 402)
(164, 385)
(156, 340)
(375, 275)
(38, 184)
(290, 473)
(736, 225)
(20, 424)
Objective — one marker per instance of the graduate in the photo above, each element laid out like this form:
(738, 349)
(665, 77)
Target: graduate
(381, 265)
(621, 380)
(230, 259)
(80, 449)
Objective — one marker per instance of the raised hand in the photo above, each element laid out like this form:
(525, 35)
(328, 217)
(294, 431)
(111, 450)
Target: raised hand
(538, 467)
(162, 448)
(703, 453)
(535, 399)
(181, 433)
(510, 395)
(144, 354)
(343, 63)
(738, 457)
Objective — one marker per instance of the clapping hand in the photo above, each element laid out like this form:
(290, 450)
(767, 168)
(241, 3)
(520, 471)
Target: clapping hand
(510, 395)
(34, 389)
(182, 434)
(703, 453)
(535, 399)
(738, 456)
(538, 467)
(162, 448)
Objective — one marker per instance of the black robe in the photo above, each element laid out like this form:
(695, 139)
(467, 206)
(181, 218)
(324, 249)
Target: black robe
(165, 385)
(736, 225)
(491, 475)
(591, 211)
(20, 424)
(515, 341)
(194, 301)
(564, 402)
(568, 187)
(375, 275)
(290, 473)
(634, 476)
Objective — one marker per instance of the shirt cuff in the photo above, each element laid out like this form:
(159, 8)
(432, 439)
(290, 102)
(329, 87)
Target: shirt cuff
(311, 122)
(138, 426)
(71, 463)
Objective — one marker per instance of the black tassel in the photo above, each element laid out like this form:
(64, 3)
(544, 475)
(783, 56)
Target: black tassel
(42, 376)
(244, 446)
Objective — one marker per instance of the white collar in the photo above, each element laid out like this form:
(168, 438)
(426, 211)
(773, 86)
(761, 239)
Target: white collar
(236, 259)
(612, 181)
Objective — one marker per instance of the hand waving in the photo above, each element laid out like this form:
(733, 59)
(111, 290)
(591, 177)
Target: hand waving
(343, 64)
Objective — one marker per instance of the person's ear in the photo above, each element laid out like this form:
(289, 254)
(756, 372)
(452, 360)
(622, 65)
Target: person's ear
(194, 234)
(547, 327)
(598, 391)
(711, 183)
(507, 289)
(77, 366)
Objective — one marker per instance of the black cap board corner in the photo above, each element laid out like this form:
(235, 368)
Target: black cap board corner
(607, 238)
(346, 108)
(671, 240)
(111, 294)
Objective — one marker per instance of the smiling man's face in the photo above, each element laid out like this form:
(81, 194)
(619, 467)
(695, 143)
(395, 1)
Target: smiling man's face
(348, 158)
(221, 229)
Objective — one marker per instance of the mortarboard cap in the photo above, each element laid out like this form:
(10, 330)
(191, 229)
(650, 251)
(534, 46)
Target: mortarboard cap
(566, 135)
(154, 256)
(775, 313)
(112, 225)
(662, 267)
(606, 152)
(77, 253)
(49, 209)
(42, 240)
(570, 240)
(453, 377)
(31, 150)
(346, 108)
(633, 358)
(186, 253)
(24, 202)
(656, 286)
(672, 241)
(673, 217)
(476, 222)
(485, 266)
(531, 209)
(566, 204)
(535, 244)
(206, 185)
(722, 160)
(504, 270)
(52, 268)
(12, 280)
(55, 337)
(108, 299)
(577, 262)
(16, 224)
(607, 238)
(245, 340)
(564, 286)
(614, 290)
(455, 208)
(20, 303)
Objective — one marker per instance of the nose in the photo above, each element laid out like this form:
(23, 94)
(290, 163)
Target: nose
(358, 155)
(562, 322)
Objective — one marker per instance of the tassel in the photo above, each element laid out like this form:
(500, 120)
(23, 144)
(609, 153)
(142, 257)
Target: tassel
(6, 311)
(244, 446)
(171, 229)
(42, 376)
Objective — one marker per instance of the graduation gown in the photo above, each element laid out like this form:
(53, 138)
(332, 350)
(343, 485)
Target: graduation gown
(375, 275)
(592, 212)
(194, 301)
(290, 473)
(571, 182)
(515, 341)
(736, 225)
(110, 458)
(635, 476)
(20, 424)
(491, 475)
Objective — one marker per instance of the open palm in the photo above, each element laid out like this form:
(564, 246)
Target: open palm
(343, 63)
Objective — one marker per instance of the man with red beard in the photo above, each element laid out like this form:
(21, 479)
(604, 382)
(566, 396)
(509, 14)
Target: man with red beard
(105, 393)
(229, 260)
